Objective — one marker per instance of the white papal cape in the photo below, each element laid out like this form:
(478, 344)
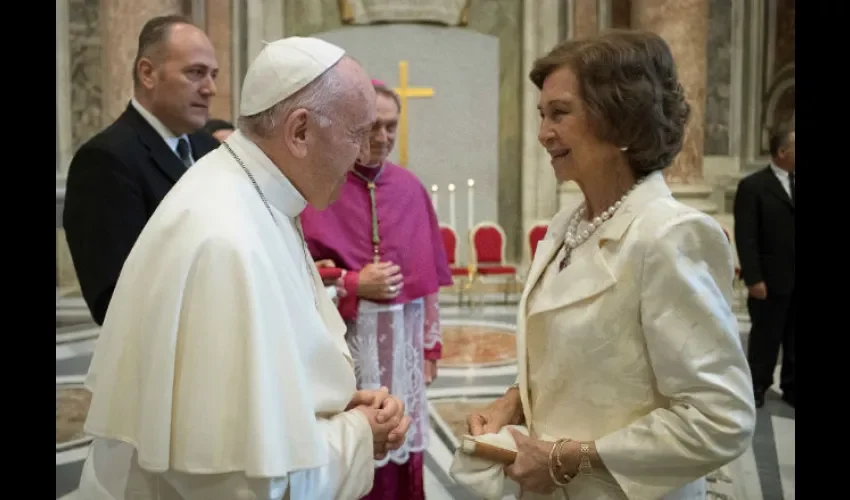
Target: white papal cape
(220, 372)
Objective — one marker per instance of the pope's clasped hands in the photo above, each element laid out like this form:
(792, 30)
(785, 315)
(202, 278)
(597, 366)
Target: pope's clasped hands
(386, 416)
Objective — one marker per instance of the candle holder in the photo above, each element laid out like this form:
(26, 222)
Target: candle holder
(434, 189)
(470, 204)
(452, 220)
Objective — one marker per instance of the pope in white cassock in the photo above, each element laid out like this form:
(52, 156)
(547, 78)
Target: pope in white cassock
(221, 371)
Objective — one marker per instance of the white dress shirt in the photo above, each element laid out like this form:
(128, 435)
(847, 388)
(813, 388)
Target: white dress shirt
(783, 177)
(166, 134)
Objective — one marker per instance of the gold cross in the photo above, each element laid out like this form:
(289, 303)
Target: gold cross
(404, 92)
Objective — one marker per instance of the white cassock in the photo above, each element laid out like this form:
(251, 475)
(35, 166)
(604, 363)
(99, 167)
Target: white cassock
(221, 370)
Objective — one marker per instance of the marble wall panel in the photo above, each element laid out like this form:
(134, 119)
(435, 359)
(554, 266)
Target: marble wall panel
(219, 27)
(781, 93)
(719, 77)
(306, 17)
(784, 51)
(586, 18)
(85, 63)
(684, 25)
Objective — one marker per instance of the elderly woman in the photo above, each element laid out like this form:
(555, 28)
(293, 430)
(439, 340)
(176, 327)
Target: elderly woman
(631, 380)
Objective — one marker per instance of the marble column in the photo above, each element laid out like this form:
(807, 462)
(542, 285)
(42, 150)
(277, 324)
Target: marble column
(120, 24)
(64, 146)
(265, 22)
(539, 187)
(603, 15)
(621, 14)
(586, 17)
(63, 133)
(218, 23)
(684, 25)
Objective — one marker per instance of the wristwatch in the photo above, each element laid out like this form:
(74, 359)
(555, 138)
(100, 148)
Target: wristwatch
(584, 467)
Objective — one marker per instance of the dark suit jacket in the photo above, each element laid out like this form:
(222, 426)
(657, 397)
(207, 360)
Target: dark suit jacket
(764, 232)
(115, 182)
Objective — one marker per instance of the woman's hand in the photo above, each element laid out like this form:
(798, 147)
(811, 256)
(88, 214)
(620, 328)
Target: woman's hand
(506, 410)
(531, 468)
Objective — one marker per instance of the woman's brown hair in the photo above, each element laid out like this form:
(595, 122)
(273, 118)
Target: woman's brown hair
(629, 86)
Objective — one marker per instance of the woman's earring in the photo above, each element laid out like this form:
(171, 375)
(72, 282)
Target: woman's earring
(624, 148)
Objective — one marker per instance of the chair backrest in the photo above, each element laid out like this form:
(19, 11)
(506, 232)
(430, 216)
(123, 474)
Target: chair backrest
(449, 243)
(535, 234)
(488, 243)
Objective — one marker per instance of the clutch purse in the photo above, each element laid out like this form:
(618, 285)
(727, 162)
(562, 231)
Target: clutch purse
(479, 461)
(470, 446)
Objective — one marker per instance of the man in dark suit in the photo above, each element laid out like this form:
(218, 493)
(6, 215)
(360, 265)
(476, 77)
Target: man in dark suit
(764, 233)
(118, 178)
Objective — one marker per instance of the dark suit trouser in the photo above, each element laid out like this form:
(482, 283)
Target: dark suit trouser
(774, 322)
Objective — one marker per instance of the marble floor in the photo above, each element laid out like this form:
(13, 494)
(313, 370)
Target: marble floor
(479, 364)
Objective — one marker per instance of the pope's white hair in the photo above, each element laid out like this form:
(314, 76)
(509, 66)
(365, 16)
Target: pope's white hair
(321, 97)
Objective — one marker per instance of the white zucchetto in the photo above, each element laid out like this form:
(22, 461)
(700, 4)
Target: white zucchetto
(283, 68)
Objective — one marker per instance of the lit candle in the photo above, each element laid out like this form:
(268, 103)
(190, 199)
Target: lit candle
(434, 190)
(452, 206)
(470, 219)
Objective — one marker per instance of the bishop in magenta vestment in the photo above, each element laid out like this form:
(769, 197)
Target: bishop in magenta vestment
(384, 214)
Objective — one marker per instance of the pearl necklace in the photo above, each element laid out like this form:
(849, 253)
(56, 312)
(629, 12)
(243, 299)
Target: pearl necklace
(573, 238)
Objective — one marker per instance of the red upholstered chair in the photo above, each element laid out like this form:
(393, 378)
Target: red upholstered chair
(487, 241)
(535, 234)
(450, 246)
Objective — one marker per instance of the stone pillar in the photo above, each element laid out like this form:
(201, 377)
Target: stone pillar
(64, 146)
(539, 186)
(252, 24)
(120, 24)
(63, 132)
(586, 18)
(265, 23)
(684, 25)
(604, 15)
(218, 23)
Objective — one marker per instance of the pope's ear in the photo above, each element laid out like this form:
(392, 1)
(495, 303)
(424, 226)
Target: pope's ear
(295, 133)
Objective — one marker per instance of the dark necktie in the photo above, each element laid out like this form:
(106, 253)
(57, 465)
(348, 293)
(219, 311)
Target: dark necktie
(183, 152)
(793, 187)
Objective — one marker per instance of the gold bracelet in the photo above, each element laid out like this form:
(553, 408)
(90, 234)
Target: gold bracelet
(559, 465)
(553, 467)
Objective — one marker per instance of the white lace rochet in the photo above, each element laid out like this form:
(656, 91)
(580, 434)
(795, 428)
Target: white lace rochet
(387, 342)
